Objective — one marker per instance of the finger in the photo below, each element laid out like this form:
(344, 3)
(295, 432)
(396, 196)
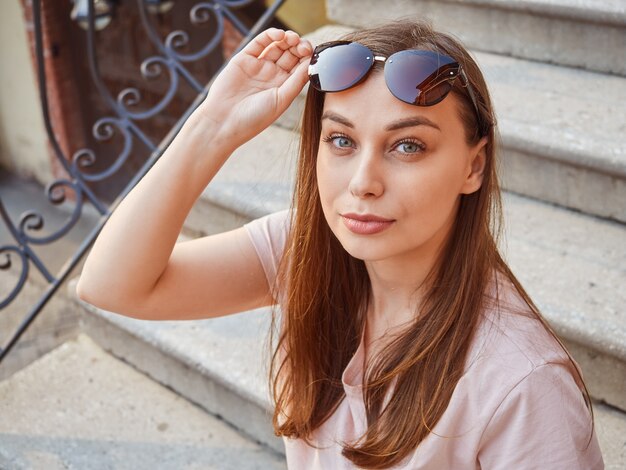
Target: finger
(263, 40)
(285, 58)
(273, 51)
(287, 61)
(291, 38)
(303, 49)
(294, 84)
(296, 53)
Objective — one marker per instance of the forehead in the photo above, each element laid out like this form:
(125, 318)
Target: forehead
(371, 106)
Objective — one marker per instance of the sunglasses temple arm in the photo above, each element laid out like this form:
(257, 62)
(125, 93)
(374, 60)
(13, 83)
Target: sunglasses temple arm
(470, 92)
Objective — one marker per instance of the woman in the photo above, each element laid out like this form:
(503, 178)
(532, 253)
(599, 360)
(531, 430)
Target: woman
(405, 340)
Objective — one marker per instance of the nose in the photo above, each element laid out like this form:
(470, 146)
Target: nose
(367, 179)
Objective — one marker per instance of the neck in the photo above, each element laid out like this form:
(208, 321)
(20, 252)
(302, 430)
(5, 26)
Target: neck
(396, 288)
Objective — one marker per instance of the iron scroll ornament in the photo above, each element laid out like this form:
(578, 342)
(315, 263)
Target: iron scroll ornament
(170, 60)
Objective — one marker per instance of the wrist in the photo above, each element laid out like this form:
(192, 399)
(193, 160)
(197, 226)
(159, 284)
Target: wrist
(207, 132)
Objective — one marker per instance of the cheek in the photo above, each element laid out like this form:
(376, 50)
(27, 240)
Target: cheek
(329, 181)
(432, 193)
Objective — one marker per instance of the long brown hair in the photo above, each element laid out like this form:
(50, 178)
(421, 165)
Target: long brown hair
(326, 291)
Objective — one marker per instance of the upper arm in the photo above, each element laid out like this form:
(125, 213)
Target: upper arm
(208, 277)
(542, 423)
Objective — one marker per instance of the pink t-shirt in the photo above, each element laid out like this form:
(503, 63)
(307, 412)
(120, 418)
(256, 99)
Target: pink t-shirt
(517, 405)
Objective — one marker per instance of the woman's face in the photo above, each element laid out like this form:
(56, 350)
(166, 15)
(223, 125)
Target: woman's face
(381, 158)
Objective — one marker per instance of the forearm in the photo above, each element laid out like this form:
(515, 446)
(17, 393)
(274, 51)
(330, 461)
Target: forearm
(134, 246)
(133, 250)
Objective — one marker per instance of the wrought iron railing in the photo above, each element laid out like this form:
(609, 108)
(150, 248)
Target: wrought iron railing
(169, 59)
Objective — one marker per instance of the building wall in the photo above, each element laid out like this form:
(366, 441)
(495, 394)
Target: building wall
(23, 147)
(303, 16)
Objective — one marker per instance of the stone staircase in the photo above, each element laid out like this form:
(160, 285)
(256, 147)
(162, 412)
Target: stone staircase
(110, 416)
(562, 129)
(582, 33)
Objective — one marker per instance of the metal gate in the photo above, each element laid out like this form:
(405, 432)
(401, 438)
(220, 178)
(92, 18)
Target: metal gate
(170, 61)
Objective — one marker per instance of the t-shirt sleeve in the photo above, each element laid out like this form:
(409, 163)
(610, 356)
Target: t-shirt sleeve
(268, 235)
(542, 423)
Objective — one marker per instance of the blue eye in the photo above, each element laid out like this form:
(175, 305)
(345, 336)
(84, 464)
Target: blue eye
(409, 146)
(340, 141)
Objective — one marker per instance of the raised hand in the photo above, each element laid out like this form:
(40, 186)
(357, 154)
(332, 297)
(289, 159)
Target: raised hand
(257, 85)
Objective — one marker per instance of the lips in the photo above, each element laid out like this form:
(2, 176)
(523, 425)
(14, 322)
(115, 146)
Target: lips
(366, 224)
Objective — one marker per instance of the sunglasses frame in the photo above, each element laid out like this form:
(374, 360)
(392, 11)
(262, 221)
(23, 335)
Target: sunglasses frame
(454, 68)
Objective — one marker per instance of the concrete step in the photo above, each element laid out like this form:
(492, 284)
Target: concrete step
(221, 365)
(562, 130)
(582, 33)
(571, 264)
(611, 429)
(79, 407)
(256, 180)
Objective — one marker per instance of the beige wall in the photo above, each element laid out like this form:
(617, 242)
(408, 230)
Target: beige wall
(23, 148)
(303, 16)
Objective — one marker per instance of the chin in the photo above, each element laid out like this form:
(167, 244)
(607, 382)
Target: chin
(366, 247)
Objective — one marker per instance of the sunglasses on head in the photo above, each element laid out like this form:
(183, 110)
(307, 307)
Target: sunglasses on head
(417, 77)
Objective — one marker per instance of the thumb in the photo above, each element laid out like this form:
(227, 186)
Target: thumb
(293, 85)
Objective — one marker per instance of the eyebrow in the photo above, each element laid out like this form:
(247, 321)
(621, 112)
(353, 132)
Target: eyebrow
(394, 126)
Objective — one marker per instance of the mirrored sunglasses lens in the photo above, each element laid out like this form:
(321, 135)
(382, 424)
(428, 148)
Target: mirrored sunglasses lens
(410, 74)
(340, 67)
(435, 94)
